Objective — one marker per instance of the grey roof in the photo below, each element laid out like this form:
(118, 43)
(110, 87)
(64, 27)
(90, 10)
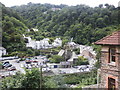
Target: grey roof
(65, 63)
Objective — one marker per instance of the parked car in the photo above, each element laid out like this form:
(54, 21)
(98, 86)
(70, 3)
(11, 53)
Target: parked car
(62, 72)
(11, 68)
(2, 76)
(8, 65)
(18, 60)
(35, 61)
(28, 61)
(29, 66)
(5, 62)
(26, 66)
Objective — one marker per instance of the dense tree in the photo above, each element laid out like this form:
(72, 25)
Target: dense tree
(55, 82)
(81, 22)
(12, 27)
(32, 79)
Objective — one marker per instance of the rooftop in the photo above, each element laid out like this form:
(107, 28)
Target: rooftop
(2, 48)
(113, 39)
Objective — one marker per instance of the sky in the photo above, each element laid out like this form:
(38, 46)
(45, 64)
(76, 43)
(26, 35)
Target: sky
(91, 3)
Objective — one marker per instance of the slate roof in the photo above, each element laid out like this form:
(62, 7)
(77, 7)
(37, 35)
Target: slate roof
(113, 39)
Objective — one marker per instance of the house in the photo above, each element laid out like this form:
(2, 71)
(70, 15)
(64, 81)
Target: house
(88, 48)
(65, 53)
(2, 51)
(57, 42)
(55, 9)
(110, 61)
(72, 45)
(88, 53)
(73, 58)
(37, 44)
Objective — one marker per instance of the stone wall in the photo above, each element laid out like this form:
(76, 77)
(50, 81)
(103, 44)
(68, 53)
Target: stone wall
(109, 69)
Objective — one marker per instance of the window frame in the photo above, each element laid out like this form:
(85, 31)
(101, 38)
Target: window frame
(112, 54)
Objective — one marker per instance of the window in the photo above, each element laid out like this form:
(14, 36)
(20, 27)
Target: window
(111, 84)
(112, 53)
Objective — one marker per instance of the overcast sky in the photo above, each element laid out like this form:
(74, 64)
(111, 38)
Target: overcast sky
(91, 3)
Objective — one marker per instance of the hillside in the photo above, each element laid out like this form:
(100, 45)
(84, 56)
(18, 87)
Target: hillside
(85, 24)
(13, 26)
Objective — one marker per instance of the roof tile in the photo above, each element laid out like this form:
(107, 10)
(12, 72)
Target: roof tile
(113, 39)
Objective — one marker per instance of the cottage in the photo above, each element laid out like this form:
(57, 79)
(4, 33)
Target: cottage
(57, 42)
(2, 51)
(110, 61)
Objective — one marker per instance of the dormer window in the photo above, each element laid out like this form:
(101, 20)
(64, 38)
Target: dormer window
(112, 55)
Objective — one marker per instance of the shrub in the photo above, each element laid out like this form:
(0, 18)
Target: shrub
(81, 61)
(56, 59)
(77, 50)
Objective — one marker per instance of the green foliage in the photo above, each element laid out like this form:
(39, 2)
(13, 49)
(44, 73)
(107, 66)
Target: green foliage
(81, 61)
(12, 82)
(0, 65)
(48, 55)
(64, 41)
(51, 40)
(55, 82)
(97, 64)
(85, 24)
(77, 50)
(32, 79)
(97, 48)
(13, 27)
(56, 59)
(82, 78)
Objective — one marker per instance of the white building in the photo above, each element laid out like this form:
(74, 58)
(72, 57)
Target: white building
(57, 42)
(2, 51)
(37, 44)
(87, 48)
(42, 43)
(31, 43)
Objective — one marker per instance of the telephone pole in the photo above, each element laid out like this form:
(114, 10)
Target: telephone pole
(40, 77)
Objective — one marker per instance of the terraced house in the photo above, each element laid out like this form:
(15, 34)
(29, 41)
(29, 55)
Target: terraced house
(110, 61)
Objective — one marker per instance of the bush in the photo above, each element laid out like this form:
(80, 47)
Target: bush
(77, 50)
(22, 59)
(81, 61)
(82, 79)
(48, 55)
(56, 59)
(6, 55)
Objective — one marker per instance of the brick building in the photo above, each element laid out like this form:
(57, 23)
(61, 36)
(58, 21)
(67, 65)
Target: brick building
(110, 61)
